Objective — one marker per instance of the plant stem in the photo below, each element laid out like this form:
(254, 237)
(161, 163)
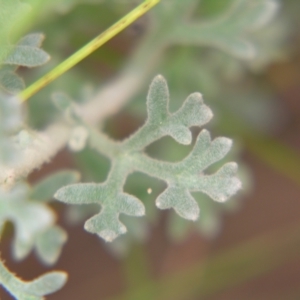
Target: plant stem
(87, 49)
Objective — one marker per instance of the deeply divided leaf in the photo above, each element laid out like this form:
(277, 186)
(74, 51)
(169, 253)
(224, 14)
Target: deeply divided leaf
(182, 178)
(231, 31)
(34, 224)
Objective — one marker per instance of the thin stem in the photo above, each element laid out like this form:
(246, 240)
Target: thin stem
(87, 49)
(103, 144)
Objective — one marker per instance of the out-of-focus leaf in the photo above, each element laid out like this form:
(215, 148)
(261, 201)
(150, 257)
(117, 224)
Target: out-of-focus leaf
(49, 244)
(44, 190)
(9, 81)
(33, 221)
(29, 218)
(229, 32)
(31, 290)
(27, 52)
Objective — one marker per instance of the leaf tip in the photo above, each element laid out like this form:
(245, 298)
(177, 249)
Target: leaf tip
(110, 235)
(159, 77)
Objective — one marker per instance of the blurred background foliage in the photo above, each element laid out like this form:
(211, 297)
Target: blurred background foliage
(255, 102)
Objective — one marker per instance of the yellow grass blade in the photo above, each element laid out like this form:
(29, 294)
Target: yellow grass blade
(87, 49)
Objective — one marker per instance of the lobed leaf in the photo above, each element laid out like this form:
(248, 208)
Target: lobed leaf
(204, 153)
(34, 224)
(179, 198)
(187, 176)
(26, 56)
(29, 218)
(209, 224)
(49, 244)
(182, 177)
(106, 224)
(221, 185)
(161, 122)
(252, 15)
(229, 32)
(26, 53)
(192, 113)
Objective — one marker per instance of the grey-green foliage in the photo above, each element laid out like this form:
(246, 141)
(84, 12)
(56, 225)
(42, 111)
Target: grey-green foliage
(230, 31)
(31, 290)
(10, 122)
(210, 222)
(26, 52)
(33, 219)
(182, 177)
(9, 80)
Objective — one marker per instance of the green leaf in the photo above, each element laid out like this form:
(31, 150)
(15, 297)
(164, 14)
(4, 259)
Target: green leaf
(27, 52)
(204, 153)
(181, 200)
(34, 224)
(181, 177)
(46, 284)
(161, 122)
(82, 193)
(253, 15)
(209, 223)
(10, 81)
(31, 290)
(23, 55)
(192, 113)
(34, 40)
(49, 244)
(231, 31)
(29, 218)
(221, 185)
(106, 224)
(45, 189)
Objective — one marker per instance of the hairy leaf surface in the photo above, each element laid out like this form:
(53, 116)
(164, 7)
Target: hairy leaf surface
(182, 177)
